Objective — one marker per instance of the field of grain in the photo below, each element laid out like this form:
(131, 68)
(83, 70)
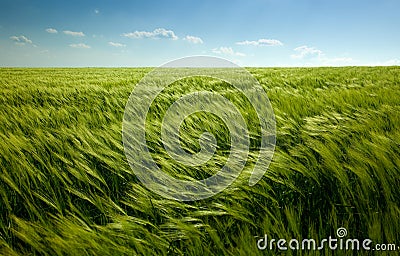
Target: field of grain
(67, 189)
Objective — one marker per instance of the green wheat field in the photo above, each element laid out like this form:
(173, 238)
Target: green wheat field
(67, 188)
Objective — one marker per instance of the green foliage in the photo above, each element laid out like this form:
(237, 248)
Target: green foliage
(67, 188)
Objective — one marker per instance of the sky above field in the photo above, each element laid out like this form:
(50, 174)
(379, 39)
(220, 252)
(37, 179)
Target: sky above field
(150, 33)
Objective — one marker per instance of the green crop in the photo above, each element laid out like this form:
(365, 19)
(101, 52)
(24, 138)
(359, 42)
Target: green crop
(67, 189)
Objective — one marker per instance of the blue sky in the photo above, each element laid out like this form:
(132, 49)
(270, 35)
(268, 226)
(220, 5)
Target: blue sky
(150, 33)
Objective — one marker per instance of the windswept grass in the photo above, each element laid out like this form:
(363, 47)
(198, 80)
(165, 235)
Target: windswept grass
(67, 188)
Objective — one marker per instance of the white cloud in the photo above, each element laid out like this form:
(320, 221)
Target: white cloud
(262, 42)
(391, 62)
(116, 44)
(96, 11)
(305, 51)
(227, 51)
(157, 33)
(347, 61)
(193, 39)
(51, 31)
(21, 40)
(337, 61)
(73, 33)
(81, 46)
(315, 57)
